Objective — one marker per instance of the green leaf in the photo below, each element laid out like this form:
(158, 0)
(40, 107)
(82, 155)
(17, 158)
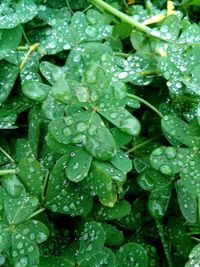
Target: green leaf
(10, 40)
(24, 240)
(81, 29)
(8, 76)
(34, 131)
(18, 209)
(179, 239)
(31, 174)
(191, 182)
(123, 120)
(103, 181)
(78, 165)
(64, 196)
(92, 240)
(170, 160)
(12, 185)
(25, 10)
(158, 201)
(51, 72)
(187, 203)
(114, 237)
(52, 109)
(122, 30)
(132, 254)
(121, 161)
(194, 257)
(121, 209)
(35, 90)
(105, 258)
(180, 130)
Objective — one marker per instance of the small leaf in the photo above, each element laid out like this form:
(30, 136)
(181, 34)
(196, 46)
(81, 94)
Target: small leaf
(18, 209)
(170, 160)
(104, 258)
(8, 76)
(114, 237)
(158, 202)
(123, 120)
(91, 240)
(179, 239)
(78, 166)
(35, 90)
(121, 161)
(187, 203)
(31, 174)
(180, 130)
(120, 210)
(25, 10)
(132, 254)
(24, 242)
(194, 257)
(64, 196)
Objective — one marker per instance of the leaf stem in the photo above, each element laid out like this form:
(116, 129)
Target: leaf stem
(146, 142)
(35, 213)
(102, 5)
(7, 155)
(45, 184)
(31, 49)
(9, 171)
(146, 103)
(121, 54)
(121, 15)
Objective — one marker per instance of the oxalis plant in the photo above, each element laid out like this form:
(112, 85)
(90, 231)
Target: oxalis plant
(99, 123)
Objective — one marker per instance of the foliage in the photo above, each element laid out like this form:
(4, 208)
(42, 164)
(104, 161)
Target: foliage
(99, 144)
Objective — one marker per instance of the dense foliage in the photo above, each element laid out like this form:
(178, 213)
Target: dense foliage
(99, 123)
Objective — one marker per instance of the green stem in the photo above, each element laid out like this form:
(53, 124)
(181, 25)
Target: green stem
(45, 184)
(149, 72)
(120, 54)
(102, 5)
(4, 172)
(121, 15)
(7, 155)
(35, 213)
(69, 7)
(166, 248)
(23, 48)
(146, 142)
(146, 103)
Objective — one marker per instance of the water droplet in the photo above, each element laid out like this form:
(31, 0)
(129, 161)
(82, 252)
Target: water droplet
(122, 75)
(81, 126)
(20, 245)
(68, 120)
(67, 132)
(82, 94)
(92, 130)
(65, 208)
(91, 31)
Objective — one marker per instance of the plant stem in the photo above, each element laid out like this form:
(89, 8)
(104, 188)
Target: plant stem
(166, 248)
(35, 213)
(120, 54)
(7, 155)
(121, 15)
(146, 142)
(102, 5)
(10, 171)
(146, 103)
(45, 184)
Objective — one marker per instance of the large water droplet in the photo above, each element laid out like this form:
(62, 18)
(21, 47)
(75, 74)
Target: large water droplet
(82, 93)
(81, 126)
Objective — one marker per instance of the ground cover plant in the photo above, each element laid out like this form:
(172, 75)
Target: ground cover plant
(99, 133)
